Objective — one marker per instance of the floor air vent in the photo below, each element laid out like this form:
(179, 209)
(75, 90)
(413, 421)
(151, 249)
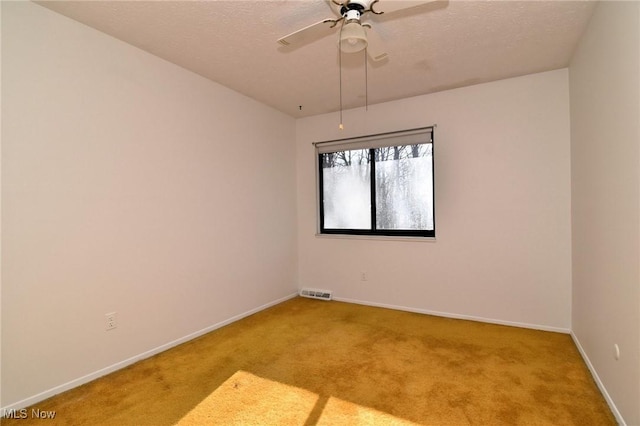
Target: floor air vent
(316, 294)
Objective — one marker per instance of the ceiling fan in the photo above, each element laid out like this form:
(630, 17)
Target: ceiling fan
(354, 34)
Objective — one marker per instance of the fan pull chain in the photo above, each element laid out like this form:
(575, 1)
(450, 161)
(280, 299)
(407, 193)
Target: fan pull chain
(341, 126)
(366, 81)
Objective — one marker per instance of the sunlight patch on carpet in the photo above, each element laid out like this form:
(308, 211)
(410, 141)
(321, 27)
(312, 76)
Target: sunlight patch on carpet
(340, 412)
(246, 399)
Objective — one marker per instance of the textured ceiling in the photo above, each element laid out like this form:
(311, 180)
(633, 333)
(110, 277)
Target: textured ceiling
(433, 47)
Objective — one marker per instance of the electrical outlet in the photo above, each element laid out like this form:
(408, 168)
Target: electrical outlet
(111, 320)
(363, 276)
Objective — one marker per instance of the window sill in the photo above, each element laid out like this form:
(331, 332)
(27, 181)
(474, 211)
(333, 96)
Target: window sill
(377, 237)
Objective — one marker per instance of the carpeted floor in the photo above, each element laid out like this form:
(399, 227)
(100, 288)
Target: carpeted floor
(309, 362)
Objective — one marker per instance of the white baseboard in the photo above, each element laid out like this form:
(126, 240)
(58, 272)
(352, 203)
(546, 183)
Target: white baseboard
(606, 395)
(119, 365)
(456, 316)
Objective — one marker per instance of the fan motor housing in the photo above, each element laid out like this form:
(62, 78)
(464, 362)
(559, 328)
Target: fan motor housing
(358, 5)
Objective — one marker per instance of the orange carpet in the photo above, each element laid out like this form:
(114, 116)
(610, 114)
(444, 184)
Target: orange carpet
(309, 362)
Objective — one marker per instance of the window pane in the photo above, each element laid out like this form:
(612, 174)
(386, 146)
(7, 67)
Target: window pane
(404, 187)
(346, 189)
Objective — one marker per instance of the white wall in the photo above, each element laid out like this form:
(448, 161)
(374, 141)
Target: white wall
(605, 154)
(128, 185)
(503, 233)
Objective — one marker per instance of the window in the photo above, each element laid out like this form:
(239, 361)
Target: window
(377, 185)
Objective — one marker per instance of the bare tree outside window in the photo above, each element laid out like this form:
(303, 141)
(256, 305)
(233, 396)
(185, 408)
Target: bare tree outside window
(403, 189)
(347, 198)
(399, 180)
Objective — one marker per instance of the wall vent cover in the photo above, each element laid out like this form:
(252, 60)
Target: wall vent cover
(314, 293)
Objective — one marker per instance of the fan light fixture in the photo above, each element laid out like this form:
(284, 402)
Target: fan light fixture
(353, 38)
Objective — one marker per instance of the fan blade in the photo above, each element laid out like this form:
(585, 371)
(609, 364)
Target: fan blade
(374, 44)
(390, 6)
(313, 31)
